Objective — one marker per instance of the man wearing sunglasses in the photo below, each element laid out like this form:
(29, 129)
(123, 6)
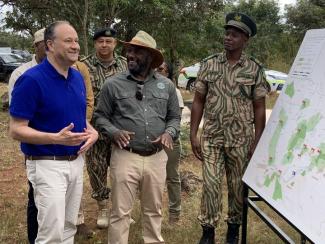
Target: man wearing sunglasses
(138, 109)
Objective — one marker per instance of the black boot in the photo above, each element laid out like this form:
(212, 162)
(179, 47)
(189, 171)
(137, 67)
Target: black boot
(208, 235)
(232, 234)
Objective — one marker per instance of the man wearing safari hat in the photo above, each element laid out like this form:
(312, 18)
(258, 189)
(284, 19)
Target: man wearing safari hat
(230, 93)
(102, 64)
(138, 109)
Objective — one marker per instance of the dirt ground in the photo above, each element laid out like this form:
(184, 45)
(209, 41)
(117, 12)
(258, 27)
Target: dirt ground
(14, 189)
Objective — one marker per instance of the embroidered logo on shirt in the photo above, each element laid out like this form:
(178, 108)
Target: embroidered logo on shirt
(161, 85)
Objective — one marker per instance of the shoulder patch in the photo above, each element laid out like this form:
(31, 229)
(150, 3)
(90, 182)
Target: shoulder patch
(210, 57)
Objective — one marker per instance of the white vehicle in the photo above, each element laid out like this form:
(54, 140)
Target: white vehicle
(276, 79)
(187, 76)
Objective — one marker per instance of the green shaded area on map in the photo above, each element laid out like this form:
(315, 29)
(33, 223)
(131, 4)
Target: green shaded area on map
(276, 136)
(277, 194)
(295, 146)
(297, 139)
(290, 90)
(319, 161)
(305, 103)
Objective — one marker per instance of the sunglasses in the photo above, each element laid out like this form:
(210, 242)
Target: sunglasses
(139, 93)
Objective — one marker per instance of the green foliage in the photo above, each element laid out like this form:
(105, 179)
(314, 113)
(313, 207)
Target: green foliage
(15, 41)
(184, 29)
(306, 14)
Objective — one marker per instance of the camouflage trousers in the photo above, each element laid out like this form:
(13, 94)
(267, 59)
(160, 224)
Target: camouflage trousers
(97, 161)
(218, 160)
(173, 179)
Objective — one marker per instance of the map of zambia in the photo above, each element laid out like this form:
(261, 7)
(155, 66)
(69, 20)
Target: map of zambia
(288, 167)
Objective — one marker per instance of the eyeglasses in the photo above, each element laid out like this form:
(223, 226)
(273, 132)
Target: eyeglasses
(139, 93)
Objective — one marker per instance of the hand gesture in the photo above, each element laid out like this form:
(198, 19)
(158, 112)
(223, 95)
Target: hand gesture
(68, 138)
(93, 136)
(122, 138)
(165, 140)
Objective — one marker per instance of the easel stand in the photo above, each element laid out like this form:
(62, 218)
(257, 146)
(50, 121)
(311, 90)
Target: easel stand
(249, 202)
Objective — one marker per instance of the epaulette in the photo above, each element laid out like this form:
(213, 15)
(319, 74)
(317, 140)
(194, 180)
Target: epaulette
(209, 57)
(256, 61)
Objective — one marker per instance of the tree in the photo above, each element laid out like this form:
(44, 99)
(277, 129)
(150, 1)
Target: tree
(31, 15)
(305, 15)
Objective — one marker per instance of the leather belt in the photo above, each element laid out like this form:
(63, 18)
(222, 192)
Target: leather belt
(143, 153)
(58, 158)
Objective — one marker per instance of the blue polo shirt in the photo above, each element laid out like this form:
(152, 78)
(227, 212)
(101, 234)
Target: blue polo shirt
(50, 102)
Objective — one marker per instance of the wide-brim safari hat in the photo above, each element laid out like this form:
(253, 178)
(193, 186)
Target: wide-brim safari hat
(143, 39)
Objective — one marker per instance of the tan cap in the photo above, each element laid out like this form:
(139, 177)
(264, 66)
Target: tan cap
(39, 35)
(143, 39)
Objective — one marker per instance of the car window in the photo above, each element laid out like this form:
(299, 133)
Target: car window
(10, 58)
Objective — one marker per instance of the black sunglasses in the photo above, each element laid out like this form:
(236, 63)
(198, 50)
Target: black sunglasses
(139, 93)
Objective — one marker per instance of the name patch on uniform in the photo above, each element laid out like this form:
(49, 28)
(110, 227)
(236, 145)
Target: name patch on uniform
(161, 85)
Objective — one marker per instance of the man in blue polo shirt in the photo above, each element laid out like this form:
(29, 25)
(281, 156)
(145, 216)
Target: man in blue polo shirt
(48, 116)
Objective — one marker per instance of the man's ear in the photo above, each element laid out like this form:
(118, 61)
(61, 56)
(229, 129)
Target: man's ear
(49, 45)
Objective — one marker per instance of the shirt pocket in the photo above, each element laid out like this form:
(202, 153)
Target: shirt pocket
(125, 102)
(159, 103)
(244, 86)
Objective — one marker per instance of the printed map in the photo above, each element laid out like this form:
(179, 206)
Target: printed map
(288, 167)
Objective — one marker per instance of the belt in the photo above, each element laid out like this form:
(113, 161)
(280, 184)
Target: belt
(143, 153)
(58, 158)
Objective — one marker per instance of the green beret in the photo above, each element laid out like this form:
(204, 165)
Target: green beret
(107, 32)
(242, 22)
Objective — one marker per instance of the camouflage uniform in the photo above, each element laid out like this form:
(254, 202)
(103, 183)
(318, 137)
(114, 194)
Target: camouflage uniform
(98, 156)
(228, 130)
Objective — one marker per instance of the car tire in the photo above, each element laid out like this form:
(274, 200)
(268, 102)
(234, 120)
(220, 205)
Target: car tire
(191, 85)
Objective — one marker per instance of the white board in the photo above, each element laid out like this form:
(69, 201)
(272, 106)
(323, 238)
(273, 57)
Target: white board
(288, 167)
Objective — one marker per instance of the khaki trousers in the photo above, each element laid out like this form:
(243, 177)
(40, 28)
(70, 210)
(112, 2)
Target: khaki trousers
(131, 173)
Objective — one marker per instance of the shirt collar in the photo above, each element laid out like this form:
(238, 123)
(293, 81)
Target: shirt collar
(51, 71)
(152, 74)
(241, 61)
(96, 60)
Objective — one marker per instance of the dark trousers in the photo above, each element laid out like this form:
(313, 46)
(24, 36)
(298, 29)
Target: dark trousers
(32, 225)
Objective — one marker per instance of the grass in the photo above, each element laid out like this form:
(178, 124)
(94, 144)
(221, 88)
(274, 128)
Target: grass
(13, 199)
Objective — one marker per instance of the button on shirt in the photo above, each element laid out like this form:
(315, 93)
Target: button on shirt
(156, 113)
(230, 92)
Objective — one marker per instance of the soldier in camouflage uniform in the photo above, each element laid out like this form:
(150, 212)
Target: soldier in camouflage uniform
(102, 64)
(230, 91)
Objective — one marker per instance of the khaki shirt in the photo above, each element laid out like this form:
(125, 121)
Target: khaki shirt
(230, 92)
(82, 68)
(99, 73)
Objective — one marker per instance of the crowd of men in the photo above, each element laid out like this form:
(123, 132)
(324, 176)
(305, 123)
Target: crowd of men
(122, 115)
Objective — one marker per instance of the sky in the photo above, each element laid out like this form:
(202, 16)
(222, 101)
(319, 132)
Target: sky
(283, 2)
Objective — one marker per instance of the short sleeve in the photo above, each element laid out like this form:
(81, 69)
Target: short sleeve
(201, 85)
(262, 87)
(24, 99)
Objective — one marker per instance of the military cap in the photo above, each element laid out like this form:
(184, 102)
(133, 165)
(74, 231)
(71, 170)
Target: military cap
(242, 22)
(108, 32)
